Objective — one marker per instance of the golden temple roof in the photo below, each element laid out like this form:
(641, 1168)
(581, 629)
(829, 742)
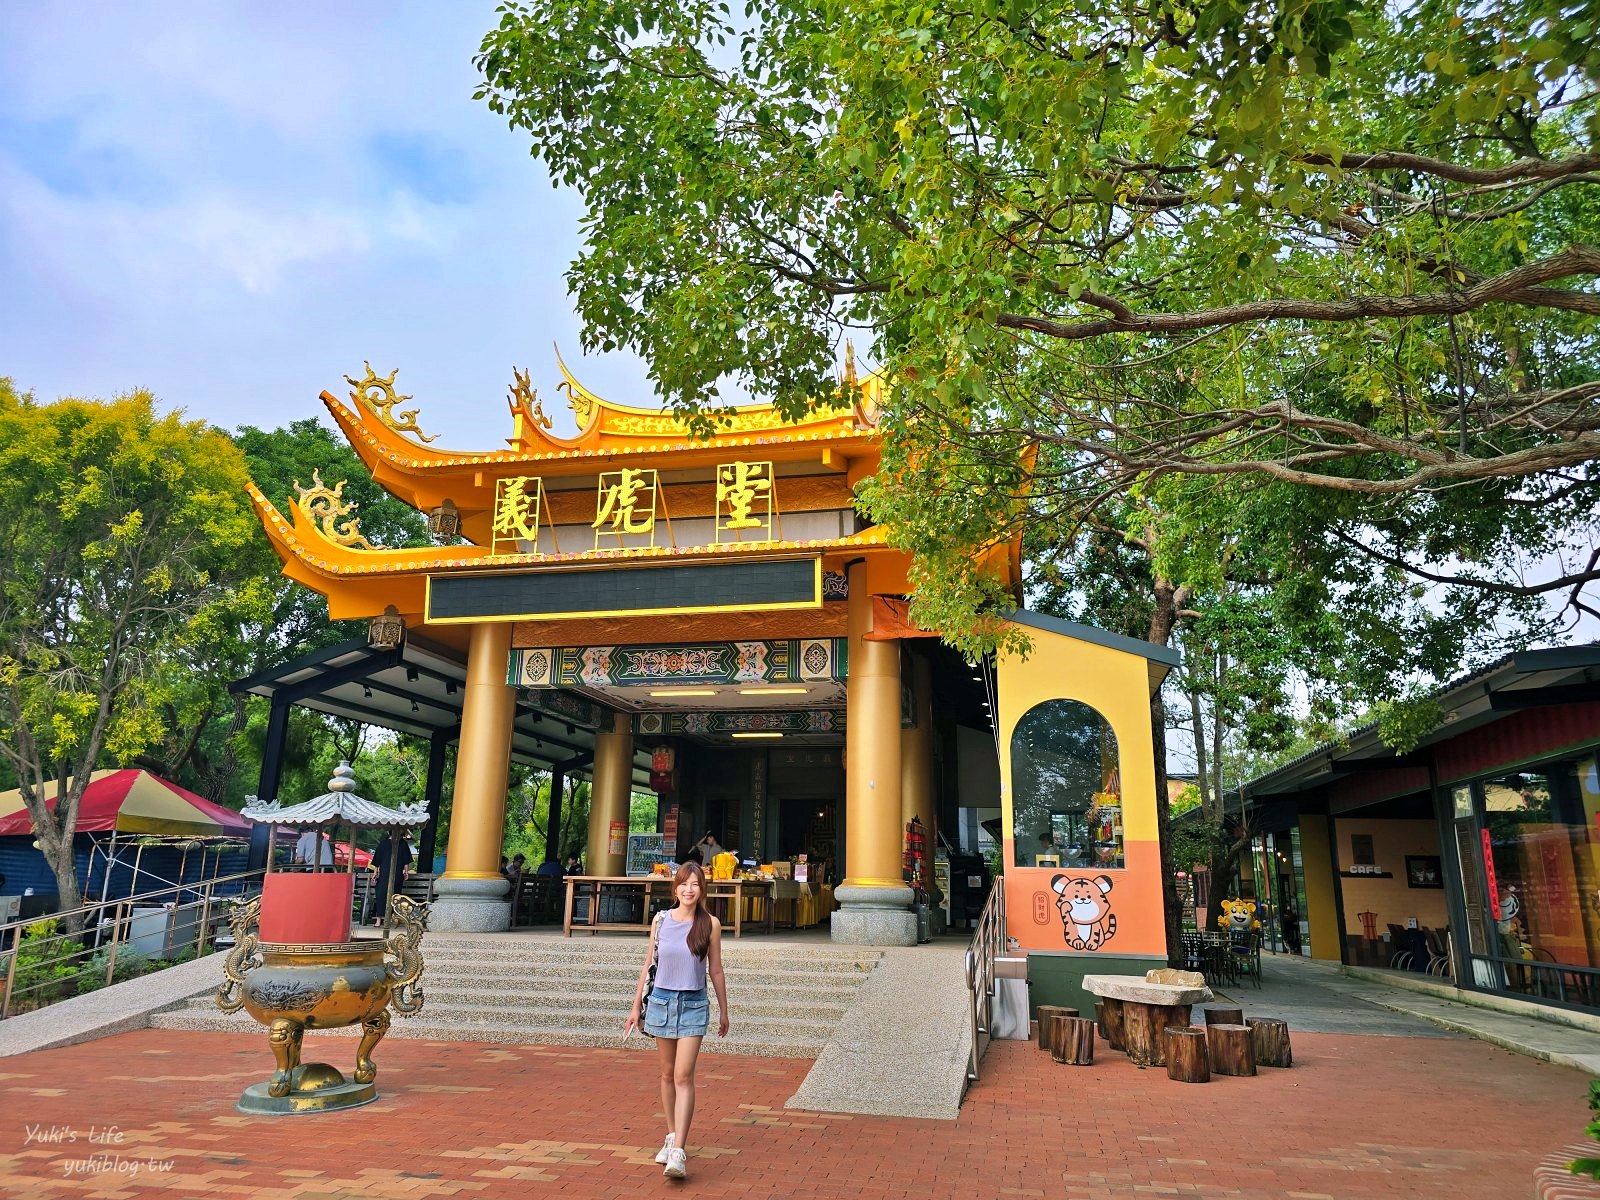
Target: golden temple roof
(397, 576)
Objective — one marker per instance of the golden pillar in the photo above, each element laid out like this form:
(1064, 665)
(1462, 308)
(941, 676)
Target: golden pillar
(1322, 904)
(874, 899)
(471, 892)
(610, 795)
(916, 764)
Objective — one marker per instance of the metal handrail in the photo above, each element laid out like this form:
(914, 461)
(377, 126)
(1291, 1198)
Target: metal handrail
(101, 932)
(987, 943)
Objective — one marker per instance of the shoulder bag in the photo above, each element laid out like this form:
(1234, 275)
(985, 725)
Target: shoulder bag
(650, 976)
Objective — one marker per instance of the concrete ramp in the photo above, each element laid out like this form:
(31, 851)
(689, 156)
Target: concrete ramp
(901, 1049)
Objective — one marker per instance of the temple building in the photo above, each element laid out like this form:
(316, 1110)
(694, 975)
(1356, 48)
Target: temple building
(714, 617)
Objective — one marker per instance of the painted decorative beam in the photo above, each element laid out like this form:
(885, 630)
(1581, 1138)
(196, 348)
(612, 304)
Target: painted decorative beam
(730, 721)
(800, 660)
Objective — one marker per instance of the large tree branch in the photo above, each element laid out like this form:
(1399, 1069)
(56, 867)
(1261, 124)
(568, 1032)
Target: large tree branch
(1575, 580)
(1519, 285)
(1421, 164)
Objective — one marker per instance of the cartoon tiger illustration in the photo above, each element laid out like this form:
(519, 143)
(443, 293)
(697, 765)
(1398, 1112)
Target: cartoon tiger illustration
(1087, 921)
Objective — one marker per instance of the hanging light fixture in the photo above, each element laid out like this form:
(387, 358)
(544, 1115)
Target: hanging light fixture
(388, 631)
(444, 522)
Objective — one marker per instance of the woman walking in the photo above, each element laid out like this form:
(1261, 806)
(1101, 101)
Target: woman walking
(686, 946)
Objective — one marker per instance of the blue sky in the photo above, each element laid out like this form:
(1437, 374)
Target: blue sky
(233, 205)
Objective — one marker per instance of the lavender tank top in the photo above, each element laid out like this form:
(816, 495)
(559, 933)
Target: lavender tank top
(676, 969)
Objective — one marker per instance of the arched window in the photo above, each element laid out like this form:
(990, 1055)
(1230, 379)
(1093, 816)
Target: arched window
(1066, 788)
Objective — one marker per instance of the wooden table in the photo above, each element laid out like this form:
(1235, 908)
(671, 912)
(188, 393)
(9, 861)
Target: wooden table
(1143, 1010)
(719, 893)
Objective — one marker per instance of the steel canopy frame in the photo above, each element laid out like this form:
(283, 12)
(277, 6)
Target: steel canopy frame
(416, 689)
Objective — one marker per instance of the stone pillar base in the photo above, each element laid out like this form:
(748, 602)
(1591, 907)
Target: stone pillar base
(470, 906)
(873, 916)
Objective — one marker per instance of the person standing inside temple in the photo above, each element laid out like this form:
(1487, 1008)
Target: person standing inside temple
(709, 849)
(686, 947)
(313, 850)
(384, 860)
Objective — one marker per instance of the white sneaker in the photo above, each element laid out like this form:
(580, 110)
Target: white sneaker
(677, 1164)
(666, 1147)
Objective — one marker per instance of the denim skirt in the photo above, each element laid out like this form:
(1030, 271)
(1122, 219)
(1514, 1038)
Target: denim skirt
(670, 1014)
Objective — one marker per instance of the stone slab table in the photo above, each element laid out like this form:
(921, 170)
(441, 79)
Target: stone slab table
(1147, 1008)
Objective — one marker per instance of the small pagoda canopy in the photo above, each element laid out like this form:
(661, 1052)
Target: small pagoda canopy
(339, 805)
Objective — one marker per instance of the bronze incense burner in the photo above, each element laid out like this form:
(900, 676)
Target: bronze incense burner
(293, 988)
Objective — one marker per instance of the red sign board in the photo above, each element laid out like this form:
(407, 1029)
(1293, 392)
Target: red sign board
(1488, 871)
(306, 907)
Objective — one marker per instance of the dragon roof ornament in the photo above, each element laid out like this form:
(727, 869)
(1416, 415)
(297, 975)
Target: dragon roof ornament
(324, 505)
(379, 394)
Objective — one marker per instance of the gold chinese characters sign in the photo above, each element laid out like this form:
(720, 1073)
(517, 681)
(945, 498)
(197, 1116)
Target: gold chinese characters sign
(628, 502)
(517, 502)
(745, 502)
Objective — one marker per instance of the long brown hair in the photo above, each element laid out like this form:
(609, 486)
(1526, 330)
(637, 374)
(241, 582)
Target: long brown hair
(699, 939)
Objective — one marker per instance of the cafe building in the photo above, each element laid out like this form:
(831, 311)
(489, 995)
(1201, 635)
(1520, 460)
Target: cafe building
(1473, 857)
(712, 619)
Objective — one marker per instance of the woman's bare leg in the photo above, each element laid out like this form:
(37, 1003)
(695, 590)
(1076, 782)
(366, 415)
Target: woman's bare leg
(666, 1056)
(688, 1053)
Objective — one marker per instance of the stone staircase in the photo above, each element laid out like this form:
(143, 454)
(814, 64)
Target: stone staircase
(788, 997)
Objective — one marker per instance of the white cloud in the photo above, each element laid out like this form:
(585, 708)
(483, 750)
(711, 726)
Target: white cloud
(192, 200)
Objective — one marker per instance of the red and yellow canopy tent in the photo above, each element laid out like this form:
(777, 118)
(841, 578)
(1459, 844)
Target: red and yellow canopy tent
(139, 810)
(133, 801)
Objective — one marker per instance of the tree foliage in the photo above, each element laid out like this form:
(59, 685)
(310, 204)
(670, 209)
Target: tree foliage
(123, 566)
(1210, 247)
(296, 620)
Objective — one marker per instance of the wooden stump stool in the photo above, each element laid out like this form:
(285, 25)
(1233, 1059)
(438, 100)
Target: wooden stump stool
(1072, 1041)
(1221, 1014)
(1100, 1019)
(1269, 1041)
(1046, 1012)
(1112, 1011)
(1231, 1050)
(1187, 1058)
(1142, 1027)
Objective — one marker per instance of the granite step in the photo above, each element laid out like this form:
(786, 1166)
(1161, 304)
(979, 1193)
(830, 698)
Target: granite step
(787, 999)
(763, 1001)
(621, 976)
(792, 958)
(610, 1020)
(763, 1039)
(536, 1005)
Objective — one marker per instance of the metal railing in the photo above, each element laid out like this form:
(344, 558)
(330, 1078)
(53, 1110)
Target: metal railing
(987, 944)
(60, 965)
(1566, 984)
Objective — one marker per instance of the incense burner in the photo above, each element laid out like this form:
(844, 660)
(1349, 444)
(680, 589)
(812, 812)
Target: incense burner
(293, 988)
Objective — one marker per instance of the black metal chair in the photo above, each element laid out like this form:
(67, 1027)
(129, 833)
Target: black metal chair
(1245, 953)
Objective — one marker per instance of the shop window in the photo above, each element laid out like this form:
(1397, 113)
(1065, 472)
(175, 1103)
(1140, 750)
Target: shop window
(1067, 788)
(1542, 869)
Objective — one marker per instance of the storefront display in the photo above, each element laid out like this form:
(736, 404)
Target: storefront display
(1537, 855)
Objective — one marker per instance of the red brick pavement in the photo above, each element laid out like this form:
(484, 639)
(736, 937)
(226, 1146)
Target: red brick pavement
(1357, 1117)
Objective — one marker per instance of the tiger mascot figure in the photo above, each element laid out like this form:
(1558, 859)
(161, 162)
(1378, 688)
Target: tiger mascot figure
(1087, 921)
(1238, 916)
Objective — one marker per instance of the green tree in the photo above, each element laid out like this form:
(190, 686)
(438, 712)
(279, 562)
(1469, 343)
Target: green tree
(123, 539)
(1293, 306)
(212, 740)
(1336, 245)
(297, 622)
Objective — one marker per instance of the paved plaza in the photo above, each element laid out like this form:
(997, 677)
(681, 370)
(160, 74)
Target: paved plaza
(1402, 1109)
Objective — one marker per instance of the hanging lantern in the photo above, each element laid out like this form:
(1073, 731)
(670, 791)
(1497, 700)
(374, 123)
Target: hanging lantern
(444, 522)
(388, 631)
